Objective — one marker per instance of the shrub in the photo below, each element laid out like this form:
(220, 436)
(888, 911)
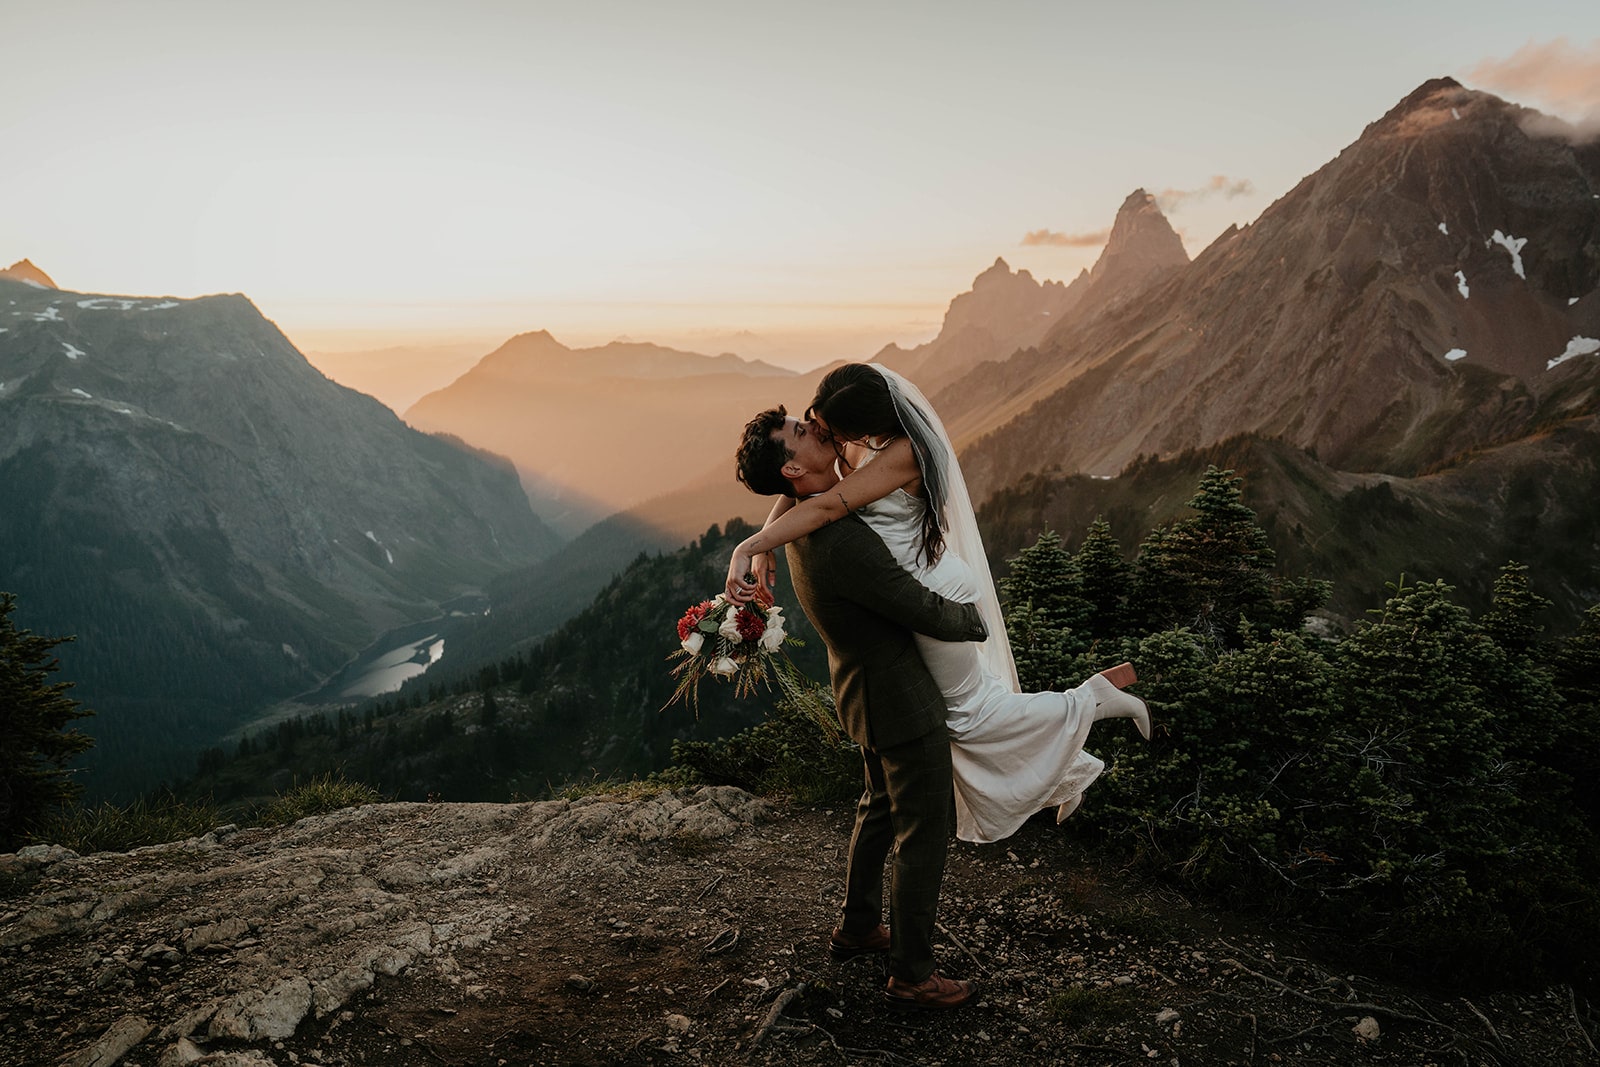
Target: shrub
(329, 792)
(113, 828)
(800, 751)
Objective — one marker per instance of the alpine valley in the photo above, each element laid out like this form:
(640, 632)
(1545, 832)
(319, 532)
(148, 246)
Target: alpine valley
(219, 524)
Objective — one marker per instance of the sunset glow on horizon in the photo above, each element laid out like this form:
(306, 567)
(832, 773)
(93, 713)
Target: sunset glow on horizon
(816, 183)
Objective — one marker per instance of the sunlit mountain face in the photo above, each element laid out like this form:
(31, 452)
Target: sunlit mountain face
(600, 430)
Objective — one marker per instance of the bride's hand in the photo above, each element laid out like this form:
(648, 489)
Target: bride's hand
(742, 581)
(765, 567)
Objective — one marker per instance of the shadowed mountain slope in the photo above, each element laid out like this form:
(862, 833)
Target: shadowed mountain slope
(219, 523)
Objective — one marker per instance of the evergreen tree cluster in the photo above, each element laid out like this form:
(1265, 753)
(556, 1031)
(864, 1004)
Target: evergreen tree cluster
(35, 743)
(1425, 783)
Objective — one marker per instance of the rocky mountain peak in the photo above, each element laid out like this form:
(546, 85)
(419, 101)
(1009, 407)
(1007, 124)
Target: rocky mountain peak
(1000, 273)
(1142, 243)
(23, 270)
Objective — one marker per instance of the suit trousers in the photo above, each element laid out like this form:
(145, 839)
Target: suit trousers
(906, 807)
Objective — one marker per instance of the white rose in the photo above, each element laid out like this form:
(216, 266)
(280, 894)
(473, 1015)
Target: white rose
(730, 626)
(724, 666)
(692, 643)
(772, 636)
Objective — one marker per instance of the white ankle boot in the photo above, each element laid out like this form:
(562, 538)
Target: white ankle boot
(1110, 702)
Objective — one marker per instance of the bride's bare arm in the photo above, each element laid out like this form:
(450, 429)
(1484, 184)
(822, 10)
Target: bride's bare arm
(894, 468)
(763, 564)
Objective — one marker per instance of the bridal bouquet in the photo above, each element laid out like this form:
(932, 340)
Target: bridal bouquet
(731, 641)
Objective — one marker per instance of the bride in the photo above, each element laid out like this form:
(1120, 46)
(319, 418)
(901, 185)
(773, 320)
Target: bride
(1013, 753)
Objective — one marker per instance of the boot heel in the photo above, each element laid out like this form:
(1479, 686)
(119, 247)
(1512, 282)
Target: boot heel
(1121, 676)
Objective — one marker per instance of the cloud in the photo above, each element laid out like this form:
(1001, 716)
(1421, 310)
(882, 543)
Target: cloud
(1066, 240)
(1228, 188)
(1555, 75)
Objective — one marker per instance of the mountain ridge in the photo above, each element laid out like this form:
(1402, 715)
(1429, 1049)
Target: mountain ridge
(1336, 320)
(217, 521)
(560, 413)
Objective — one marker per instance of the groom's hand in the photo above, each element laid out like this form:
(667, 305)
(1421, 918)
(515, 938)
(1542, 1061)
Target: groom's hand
(979, 631)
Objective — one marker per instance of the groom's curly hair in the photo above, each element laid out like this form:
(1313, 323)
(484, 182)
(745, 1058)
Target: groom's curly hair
(761, 456)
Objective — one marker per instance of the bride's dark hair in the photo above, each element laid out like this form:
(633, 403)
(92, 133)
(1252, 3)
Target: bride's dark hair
(855, 401)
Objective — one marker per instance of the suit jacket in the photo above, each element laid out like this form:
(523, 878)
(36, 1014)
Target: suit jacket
(866, 606)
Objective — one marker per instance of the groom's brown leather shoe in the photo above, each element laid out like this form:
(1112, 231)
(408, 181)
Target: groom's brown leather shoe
(845, 946)
(931, 992)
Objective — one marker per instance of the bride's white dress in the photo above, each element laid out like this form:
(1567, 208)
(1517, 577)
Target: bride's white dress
(1014, 754)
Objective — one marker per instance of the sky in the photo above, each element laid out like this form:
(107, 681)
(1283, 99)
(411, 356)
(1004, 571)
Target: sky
(797, 182)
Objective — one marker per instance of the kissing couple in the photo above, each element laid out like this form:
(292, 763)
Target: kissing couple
(886, 561)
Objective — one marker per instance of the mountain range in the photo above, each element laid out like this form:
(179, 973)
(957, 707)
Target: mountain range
(1317, 350)
(1422, 295)
(218, 523)
(1400, 356)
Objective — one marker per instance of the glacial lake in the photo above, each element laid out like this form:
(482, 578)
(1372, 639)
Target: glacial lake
(392, 669)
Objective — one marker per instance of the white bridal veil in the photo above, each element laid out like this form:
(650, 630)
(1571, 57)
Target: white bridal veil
(947, 495)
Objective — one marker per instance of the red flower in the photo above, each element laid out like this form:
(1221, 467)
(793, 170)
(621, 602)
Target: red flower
(691, 619)
(751, 625)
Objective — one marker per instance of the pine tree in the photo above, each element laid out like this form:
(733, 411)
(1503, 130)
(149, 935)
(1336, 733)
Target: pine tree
(1043, 653)
(35, 745)
(1045, 613)
(1043, 574)
(1103, 579)
(1212, 570)
(1577, 679)
(1511, 619)
(1529, 713)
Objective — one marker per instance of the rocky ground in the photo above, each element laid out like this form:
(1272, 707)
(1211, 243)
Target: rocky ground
(678, 928)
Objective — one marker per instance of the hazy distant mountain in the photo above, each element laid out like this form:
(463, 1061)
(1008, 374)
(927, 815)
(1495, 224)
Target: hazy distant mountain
(1007, 312)
(219, 523)
(1431, 290)
(1003, 311)
(398, 376)
(23, 270)
(594, 431)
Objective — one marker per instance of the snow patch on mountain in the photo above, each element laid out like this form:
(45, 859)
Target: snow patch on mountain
(1461, 284)
(1444, 229)
(1578, 346)
(374, 539)
(1513, 245)
(73, 351)
(123, 303)
(1455, 354)
(80, 392)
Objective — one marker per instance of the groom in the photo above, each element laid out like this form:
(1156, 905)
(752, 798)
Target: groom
(866, 606)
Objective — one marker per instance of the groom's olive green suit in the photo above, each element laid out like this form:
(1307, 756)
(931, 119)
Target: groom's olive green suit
(866, 607)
